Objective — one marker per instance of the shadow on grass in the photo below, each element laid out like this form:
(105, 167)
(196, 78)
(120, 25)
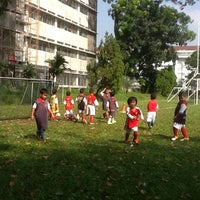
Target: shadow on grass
(5, 147)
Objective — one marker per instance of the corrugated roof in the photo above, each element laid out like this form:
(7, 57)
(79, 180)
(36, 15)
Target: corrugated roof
(186, 48)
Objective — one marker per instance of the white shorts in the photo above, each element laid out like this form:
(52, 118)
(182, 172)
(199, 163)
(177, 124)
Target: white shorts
(178, 126)
(151, 116)
(69, 112)
(90, 110)
(132, 129)
(81, 111)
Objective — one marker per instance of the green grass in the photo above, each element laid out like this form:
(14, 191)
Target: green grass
(80, 161)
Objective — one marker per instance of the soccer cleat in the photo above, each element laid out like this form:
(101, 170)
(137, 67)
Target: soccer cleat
(109, 122)
(114, 122)
(174, 138)
(37, 136)
(184, 139)
(91, 123)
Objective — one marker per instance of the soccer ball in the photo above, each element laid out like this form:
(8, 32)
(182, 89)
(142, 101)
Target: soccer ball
(57, 114)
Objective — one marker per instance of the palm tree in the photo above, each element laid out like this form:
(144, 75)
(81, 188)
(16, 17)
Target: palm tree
(57, 65)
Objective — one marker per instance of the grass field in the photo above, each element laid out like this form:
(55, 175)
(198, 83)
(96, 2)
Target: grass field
(81, 161)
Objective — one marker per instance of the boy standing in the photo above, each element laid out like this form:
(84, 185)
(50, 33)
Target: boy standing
(180, 118)
(112, 105)
(132, 121)
(69, 105)
(105, 93)
(81, 100)
(54, 104)
(91, 103)
(152, 108)
(40, 110)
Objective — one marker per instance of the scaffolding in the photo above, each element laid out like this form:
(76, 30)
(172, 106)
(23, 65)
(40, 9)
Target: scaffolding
(15, 32)
(32, 15)
(31, 32)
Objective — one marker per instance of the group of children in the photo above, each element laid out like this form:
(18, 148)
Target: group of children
(86, 108)
(133, 113)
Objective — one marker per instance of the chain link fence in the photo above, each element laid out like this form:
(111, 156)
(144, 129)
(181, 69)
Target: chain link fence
(20, 91)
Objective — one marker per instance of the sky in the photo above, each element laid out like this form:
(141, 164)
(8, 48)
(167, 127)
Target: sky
(105, 22)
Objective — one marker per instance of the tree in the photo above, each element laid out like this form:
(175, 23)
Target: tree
(109, 70)
(3, 66)
(191, 61)
(178, 2)
(57, 65)
(166, 80)
(191, 64)
(29, 71)
(146, 30)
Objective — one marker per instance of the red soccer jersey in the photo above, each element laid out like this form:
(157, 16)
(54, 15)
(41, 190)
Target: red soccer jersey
(68, 101)
(152, 106)
(135, 112)
(91, 99)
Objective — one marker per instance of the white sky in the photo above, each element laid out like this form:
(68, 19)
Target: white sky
(105, 22)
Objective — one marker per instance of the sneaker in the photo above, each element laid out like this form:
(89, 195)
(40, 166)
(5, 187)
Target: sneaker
(37, 136)
(174, 138)
(44, 140)
(136, 141)
(132, 145)
(184, 139)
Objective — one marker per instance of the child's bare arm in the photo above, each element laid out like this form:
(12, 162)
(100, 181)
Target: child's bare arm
(32, 113)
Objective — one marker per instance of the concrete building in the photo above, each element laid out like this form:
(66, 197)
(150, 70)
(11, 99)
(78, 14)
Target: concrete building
(180, 70)
(183, 52)
(32, 31)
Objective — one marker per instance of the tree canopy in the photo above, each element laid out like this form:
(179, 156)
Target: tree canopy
(181, 3)
(146, 31)
(108, 70)
(192, 63)
(29, 71)
(165, 81)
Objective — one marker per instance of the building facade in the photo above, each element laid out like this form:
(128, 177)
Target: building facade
(179, 67)
(32, 31)
(183, 52)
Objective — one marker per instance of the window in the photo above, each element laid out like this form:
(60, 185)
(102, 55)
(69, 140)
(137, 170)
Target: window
(84, 10)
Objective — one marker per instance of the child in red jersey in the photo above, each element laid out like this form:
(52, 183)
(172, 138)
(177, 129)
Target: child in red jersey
(180, 118)
(40, 110)
(81, 101)
(152, 108)
(69, 105)
(91, 103)
(132, 121)
(112, 105)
